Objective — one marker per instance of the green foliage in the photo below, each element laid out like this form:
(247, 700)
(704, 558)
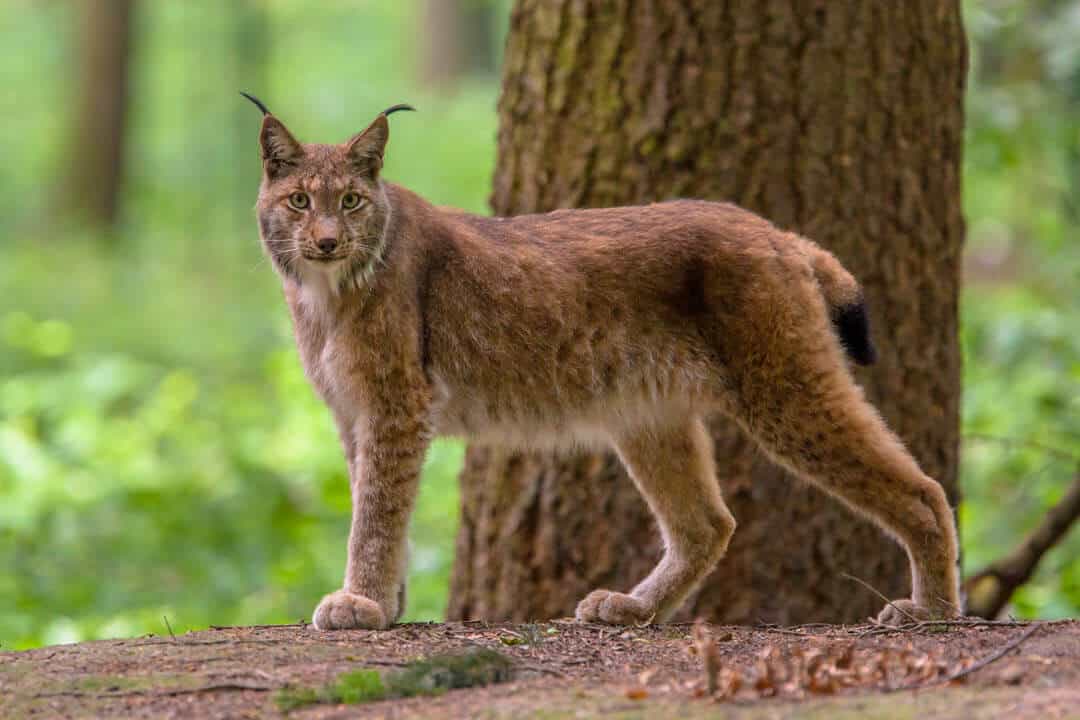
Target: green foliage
(160, 450)
(289, 699)
(474, 667)
(359, 686)
(1019, 310)
(1022, 447)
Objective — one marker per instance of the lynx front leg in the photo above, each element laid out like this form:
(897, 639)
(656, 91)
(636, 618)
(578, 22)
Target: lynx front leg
(673, 469)
(384, 473)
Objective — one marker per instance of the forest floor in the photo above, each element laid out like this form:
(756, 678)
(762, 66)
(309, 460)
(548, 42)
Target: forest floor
(560, 669)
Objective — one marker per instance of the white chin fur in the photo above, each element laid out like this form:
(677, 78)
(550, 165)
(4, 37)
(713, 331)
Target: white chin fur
(320, 281)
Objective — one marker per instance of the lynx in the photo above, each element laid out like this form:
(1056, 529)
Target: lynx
(620, 327)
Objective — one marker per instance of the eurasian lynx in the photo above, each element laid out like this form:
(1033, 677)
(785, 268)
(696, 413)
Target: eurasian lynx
(620, 328)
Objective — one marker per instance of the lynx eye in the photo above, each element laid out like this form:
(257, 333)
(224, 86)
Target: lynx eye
(351, 200)
(299, 201)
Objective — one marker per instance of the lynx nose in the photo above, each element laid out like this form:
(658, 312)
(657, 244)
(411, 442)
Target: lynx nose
(327, 244)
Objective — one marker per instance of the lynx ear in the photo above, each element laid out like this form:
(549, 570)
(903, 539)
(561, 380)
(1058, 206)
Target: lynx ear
(366, 149)
(280, 150)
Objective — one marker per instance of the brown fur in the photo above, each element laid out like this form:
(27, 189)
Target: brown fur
(620, 327)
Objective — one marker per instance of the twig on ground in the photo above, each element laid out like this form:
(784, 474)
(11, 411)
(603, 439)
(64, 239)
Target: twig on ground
(888, 602)
(1005, 650)
(230, 641)
(161, 693)
(168, 627)
(992, 657)
(796, 632)
(966, 622)
(540, 669)
(259, 627)
(963, 622)
(875, 630)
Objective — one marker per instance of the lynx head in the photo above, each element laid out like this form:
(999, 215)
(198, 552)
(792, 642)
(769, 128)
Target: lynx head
(322, 208)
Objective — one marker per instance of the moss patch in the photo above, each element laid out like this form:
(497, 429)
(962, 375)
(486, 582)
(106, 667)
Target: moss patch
(431, 676)
(114, 683)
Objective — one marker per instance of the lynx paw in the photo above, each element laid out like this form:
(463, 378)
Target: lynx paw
(343, 610)
(614, 608)
(903, 612)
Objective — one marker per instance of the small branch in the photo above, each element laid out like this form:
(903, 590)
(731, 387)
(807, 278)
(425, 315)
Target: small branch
(990, 589)
(1005, 650)
(962, 622)
(300, 624)
(889, 602)
(162, 693)
(874, 630)
(992, 657)
(803, 631)
(540, 669)
(229, 641)
(840, 631)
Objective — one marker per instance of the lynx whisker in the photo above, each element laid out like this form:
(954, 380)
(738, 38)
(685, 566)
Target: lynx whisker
(258, 264)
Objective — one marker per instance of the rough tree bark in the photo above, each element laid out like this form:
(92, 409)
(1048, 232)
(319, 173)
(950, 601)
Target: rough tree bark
(842, 120)
(97, 146)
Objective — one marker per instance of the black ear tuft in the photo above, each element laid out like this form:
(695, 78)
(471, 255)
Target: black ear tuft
(258, 103)
(398, 107)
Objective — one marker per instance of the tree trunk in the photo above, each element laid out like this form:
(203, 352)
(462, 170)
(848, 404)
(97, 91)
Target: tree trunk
(841, 120)
(97, 150)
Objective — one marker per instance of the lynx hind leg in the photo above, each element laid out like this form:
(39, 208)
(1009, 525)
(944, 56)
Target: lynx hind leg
(809, 414)
(673, 469)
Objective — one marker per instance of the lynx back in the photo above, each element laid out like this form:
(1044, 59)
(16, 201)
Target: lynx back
(621, 328)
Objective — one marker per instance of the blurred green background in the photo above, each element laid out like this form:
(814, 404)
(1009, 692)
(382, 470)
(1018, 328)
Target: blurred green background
(160, 451)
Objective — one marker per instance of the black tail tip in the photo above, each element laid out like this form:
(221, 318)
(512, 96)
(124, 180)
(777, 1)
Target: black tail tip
(853, 326)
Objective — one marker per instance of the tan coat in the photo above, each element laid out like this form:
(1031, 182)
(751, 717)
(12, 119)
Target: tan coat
(620, 327)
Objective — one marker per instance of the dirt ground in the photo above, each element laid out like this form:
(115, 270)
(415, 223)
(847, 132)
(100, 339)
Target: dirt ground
(568, 670)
